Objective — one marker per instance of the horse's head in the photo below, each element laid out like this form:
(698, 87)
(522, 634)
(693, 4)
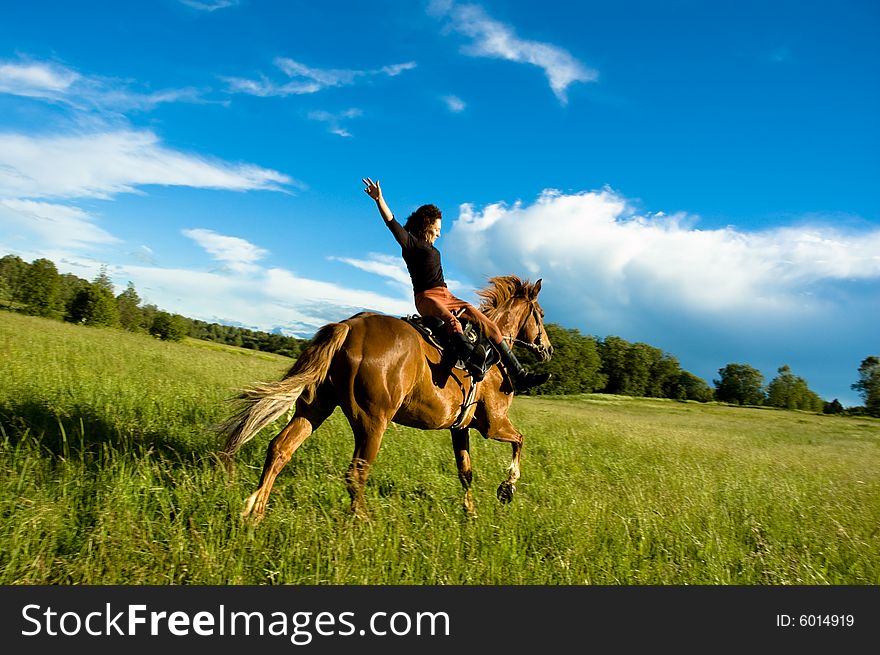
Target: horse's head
(513, 305)
(532, 332)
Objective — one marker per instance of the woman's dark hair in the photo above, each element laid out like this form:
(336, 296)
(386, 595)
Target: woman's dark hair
(421, 219)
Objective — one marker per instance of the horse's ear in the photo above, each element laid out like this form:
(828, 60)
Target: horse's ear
(538, 287)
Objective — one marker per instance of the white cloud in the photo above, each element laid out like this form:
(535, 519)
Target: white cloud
(284, 285)
(265, 88)
(209, 6)
(144, 254)
(102, 155)
(58, 83)
(264, 298)
(491, 38)
(395, 69)
(598, 236)
(322, 77)
(454, 104)
(305, 79)
(35, 79)
(235, 253)
(103, 164)
(56, 225)
(334, 121)
(804, 295)
(391, 268)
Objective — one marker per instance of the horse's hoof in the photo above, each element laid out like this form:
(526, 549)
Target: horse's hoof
(467, 504)
(252, 518)
(505, 491)
(251, 511)
(360, 513)
(226, 461)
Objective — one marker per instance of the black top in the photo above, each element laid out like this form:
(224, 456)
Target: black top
(422, 259)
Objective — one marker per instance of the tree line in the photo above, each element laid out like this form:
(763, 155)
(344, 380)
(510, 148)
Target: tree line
(742, 384)
(580, 364)
(588, 364)
(39, 289)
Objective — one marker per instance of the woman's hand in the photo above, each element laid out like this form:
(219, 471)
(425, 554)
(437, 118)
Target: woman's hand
(375, 192)
(373, 189)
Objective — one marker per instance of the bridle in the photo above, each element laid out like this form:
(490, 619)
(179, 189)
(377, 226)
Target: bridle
(537, 346)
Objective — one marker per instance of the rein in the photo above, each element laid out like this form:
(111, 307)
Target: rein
(525, 344)
(537, 346)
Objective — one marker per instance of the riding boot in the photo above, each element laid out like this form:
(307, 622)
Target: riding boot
(464, 350)
(522, 379)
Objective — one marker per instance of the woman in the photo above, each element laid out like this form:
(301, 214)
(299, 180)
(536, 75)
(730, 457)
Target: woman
(432, 297)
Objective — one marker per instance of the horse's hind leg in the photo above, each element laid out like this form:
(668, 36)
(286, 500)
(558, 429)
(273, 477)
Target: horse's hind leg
(307, 419)
(367, 439)
(461, 446)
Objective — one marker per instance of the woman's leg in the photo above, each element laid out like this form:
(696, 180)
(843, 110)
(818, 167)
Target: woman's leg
(522, 379)
(429, 306)
(439, 303)
(489, 328)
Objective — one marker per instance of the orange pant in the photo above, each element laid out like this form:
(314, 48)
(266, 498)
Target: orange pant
(440, 303)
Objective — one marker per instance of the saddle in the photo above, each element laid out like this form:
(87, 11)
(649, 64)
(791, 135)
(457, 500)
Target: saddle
(480, 356)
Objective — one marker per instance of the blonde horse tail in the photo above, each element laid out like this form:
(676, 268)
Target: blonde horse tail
(264, 402)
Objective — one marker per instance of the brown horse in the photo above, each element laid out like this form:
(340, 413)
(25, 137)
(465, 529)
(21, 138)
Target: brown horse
(379, 369)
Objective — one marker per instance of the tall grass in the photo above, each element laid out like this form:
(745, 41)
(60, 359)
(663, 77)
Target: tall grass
(107, 477)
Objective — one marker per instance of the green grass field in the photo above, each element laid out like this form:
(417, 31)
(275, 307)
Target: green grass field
(107, 477)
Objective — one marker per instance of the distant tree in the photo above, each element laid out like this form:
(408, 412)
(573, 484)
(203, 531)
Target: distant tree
(637, 369)
(613, 351)
(43, 291)
(39, 289)
(665, 373)
(834, 407)
(812, 402)
(264, 341)
(868, 385)
(148, 315)
(690, 387)
(12, 272)
(169, 327)
(575, 366)
(791, 392)
(94, 305)
(103, 281)
(68, 288)
(280, 344)
(741, 384)
(128, 307)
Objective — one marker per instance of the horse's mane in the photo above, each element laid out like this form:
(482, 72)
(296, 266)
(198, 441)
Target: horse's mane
(501, 290)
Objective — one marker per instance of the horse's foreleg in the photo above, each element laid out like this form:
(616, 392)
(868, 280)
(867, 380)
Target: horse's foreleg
(499, 428)
(507, 488)
(461, 446)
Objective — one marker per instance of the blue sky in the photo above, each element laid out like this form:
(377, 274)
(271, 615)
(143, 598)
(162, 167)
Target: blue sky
(701, 176)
